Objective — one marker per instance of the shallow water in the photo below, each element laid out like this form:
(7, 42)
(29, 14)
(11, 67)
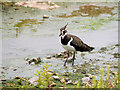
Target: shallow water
(27, 34)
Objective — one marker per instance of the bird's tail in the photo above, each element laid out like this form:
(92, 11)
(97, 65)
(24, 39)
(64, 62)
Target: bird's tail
(91, 48)
(85, 47)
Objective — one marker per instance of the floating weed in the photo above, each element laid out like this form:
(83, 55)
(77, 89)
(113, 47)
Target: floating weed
(95, 24)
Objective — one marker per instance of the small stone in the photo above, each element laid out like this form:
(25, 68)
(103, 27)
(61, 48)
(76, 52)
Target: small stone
(45, 16)
(34, 60)
(117, 44)
(69, 82)
(26, 59)
(90, 75)
(115, 66)
(70, 59)
(66, 79)
(53, 73)
(116, 55)
(74, 83)
(53, 55)
(62, 80)
(2, 72)
(17, 77)
(114, 73)
(5, 68)
(83, 72)
(29, 61)
(48, 57)
(3, 79)
(53, 84)
(32, 63)
(39, 59)
(82, 54)
(10, 84)
(85, 79)
(34, 80)
(56, 77)
(14, 69)
(58, 55)
(78, 70)
(65, 56)
(104, 49)
(16, 8)
(61, 87)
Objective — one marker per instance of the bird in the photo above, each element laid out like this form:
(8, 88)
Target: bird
(72, 43)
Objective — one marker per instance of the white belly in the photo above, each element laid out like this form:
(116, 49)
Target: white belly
(68, 47)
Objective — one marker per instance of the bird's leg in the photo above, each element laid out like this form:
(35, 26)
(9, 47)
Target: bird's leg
(73, 58)
(67, 58)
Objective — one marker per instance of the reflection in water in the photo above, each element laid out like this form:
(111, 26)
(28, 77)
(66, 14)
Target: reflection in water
(26, 22)
(90, 10)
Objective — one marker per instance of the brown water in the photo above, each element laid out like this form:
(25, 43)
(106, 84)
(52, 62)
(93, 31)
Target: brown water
(26, 34)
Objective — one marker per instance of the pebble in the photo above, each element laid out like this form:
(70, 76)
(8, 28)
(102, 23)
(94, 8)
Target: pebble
(104, 49)
(114, 73)
(3, 79)
(26, 59)
(32, 63)
(45, 16)
(85, 79)
(48, 57)
(33, 80)
(115, 66)
(56, 77)
(75, 82)
(116, 55)
(14, 69)
(53, 84)
(67, 78)
(17, 77)
(33, 60)
(69, 82)
(53, 73)
(83, 71)
(62, 80)
(58, 55)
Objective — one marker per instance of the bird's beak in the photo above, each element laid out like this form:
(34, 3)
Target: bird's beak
(60, 34)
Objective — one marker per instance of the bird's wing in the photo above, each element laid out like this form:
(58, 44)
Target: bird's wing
(76, 41)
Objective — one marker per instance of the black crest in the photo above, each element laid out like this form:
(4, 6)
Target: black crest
(63, 28)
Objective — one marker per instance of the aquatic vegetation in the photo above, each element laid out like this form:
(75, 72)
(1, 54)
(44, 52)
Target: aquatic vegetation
(108, 83)
(95, 24)
(44, 80)
(90, 10)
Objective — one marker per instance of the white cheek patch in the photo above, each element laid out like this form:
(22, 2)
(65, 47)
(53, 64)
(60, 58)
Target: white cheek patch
(63, 35)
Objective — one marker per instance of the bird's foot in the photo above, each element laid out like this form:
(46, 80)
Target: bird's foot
(64, 64)
(72, 64)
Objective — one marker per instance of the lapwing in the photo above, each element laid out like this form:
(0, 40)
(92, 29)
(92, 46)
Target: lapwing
(72, 43)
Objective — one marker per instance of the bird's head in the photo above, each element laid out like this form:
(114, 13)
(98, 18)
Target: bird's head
(63, 30)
